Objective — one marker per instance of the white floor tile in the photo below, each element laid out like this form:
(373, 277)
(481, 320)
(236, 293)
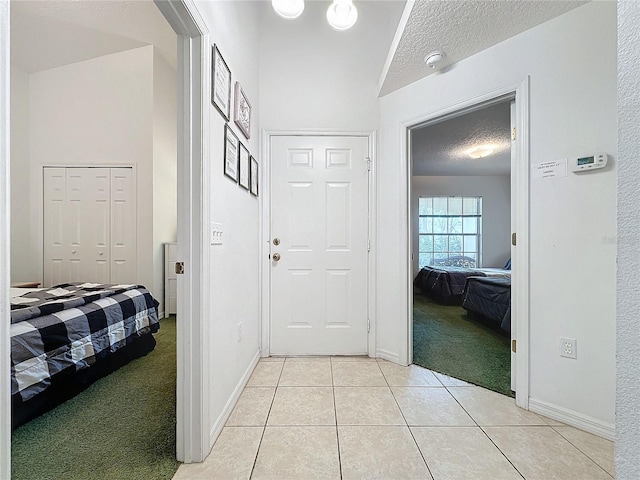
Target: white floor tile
(430, 406)
(598, 449)
(303, 406)
(366, 406)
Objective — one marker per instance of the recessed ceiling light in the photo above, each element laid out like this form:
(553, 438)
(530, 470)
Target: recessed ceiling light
(288, 9)
(481, 151)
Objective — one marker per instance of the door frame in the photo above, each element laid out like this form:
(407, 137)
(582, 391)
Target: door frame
(5, 241)
(265, 230)
(193, 306)
(519, 223)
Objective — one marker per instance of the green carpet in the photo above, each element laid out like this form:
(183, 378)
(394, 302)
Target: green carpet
(120, 428)
(447, 341)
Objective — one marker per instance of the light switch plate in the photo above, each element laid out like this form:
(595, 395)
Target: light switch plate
(216, 233)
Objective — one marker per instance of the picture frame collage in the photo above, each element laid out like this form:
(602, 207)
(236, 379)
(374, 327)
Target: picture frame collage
(239, 164)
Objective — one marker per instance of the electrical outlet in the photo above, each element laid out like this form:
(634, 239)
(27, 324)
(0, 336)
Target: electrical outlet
(568, 347)
(239, 331)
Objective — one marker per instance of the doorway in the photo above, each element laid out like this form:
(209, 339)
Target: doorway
(519, 181)
(461, 245)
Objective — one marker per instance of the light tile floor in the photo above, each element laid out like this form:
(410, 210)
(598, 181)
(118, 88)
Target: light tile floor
(360, 418)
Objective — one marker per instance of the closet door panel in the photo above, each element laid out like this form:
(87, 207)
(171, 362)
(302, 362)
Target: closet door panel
(123, 225)
(56, 255)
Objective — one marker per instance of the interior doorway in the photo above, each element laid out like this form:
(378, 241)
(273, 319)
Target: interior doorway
(461, 219)
(519, 193)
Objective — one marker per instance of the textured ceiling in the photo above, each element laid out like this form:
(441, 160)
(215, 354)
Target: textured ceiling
(52, 33)
(459, 29)
(441, 148)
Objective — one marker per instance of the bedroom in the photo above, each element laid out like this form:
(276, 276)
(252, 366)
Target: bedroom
(546, 80)
(94, 156)
(466, 200)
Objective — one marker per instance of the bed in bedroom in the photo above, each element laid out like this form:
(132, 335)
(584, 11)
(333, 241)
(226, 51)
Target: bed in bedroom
(489, 297)
(446, 283)
(66, 337)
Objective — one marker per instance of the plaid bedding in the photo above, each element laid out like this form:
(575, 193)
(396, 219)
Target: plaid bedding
(101, 319)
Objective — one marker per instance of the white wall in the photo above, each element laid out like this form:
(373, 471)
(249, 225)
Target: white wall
(628, 304)
(165, 173)
(234, 269)
(496, 211)
(101, 112)
(22, 269)
(323, 79)
(572, 112)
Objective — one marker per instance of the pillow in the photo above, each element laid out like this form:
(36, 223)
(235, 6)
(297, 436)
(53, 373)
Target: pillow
(507, 266)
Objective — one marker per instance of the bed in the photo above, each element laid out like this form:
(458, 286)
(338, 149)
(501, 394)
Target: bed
(66, 337)
(446, 283)
(489, 297)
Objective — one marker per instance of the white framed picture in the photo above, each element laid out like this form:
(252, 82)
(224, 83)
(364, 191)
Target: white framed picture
(242, 111)
(243, 166)
(230, 153)
(254, 176)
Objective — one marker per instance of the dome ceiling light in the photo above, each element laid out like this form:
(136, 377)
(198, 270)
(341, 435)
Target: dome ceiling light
(433, 59)
(481, 151)
(341, 14)
(288, 9)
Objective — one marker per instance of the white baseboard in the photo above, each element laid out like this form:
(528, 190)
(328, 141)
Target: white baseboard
(578, 420)
(161, 314)
(390, 356)
(231, 403)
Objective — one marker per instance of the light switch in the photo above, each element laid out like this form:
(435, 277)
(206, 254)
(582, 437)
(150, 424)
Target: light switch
(216, 233)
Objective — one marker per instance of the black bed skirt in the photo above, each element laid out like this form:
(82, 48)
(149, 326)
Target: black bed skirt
(68, 387)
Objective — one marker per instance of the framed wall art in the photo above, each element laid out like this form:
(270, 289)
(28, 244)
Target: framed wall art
(220, 83)
(230, 153)
(243, 166)
(242, 111)
(254, 177)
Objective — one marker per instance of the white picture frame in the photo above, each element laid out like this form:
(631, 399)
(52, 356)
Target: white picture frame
(230, 153)
(243, 166)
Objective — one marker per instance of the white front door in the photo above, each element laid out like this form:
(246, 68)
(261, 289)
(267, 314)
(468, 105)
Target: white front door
(319, 228)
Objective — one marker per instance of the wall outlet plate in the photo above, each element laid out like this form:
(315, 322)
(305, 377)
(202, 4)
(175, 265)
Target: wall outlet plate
(568, 347)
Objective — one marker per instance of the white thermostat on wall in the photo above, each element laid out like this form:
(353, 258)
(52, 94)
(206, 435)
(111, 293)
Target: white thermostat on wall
(592, 162)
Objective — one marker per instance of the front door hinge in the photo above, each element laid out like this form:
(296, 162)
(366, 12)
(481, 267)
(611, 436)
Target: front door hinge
(368, 325)
(368, 164)
(513, 133)
(368, 244)
(179, 268)
(513, 346)
(513, 239)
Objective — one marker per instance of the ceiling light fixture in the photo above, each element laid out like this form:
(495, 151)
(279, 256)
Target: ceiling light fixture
(481, 151)
(288, 9)
(342, 14)
(433, 59)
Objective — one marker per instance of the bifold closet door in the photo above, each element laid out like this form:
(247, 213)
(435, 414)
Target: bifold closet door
(84, 237)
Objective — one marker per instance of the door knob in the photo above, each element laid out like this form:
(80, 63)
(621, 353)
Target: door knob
(276, 241)
(276, 257)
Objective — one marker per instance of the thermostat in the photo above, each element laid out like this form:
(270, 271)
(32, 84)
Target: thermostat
(592, 162)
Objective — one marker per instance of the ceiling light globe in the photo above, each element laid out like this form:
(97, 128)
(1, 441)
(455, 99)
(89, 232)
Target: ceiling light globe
(288, 9)
(342, 14)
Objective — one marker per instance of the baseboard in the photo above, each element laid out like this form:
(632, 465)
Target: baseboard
(231, 403)
(583, 422)
(161, 314)
(390, 356)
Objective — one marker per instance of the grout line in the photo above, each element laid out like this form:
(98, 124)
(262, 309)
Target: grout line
(264, 428)
(579, 449)
(500, 450)
(335, 418)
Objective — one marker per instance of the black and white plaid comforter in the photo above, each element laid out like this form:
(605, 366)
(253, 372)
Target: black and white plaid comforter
(52, 336)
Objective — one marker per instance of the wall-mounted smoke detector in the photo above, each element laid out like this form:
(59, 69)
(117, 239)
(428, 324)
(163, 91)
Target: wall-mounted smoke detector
(433, 59)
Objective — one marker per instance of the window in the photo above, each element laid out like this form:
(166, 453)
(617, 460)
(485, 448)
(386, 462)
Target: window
(449, 231)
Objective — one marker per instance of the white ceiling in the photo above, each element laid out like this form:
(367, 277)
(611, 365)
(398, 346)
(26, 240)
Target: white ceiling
(52, 33)
(441, 148)
(459, 29)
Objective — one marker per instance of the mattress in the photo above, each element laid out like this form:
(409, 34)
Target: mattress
(61, 332)
(489, 297)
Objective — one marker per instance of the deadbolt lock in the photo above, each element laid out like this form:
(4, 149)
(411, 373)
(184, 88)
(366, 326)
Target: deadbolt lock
(276, 241)
(276, 257)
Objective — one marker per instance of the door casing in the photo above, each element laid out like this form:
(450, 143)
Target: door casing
(265, 230)
(520, 222)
